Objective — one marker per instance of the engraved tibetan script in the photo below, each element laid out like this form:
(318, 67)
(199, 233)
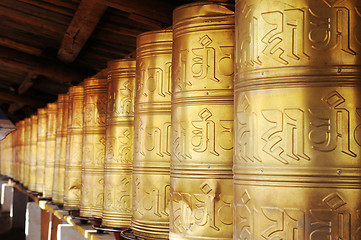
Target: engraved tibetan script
(285, 139)
(331, 126)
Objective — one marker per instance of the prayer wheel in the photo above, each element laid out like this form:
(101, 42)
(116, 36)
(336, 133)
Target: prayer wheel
(202, 122)
(74, 147)
(60, 148)
(16, 148)
(3, 157)
(27, 152)
(52, 109)
(33, 146)
(119, 144)
(20, 149)
(152, 121)
(297, 169)
(13, 162)
(40, 149)
(92, 186)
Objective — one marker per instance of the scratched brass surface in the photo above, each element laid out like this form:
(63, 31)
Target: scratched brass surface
(20, 152)
(202, 122)
(60, 148)
(119, 144)
(74, 148)
(33, 145)
(40, 148)
(92, 186)
(297, 120)
(152, 135)
(52, 109)
(26, 173)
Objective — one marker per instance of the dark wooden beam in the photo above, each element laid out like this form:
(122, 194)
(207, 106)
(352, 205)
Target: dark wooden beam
(81, 27)
(54, 70)
(6, 42)
(160, 11)
(5, 95)
(13, 107)
(27, 83)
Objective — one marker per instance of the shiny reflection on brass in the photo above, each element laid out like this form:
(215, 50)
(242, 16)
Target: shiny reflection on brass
(152, 117)
(27, 135)
(119, 144)
(20, 152)
(297, 120)
(74, 147)
(33, 146)
(202, 122)
(40, 149)
(95, 102)
(60, 148)
(50, 149)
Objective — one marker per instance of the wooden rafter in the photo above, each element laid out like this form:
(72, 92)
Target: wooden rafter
(53, 70)
(5, 95)
(159, 11)
(6, 42)
(81, 27)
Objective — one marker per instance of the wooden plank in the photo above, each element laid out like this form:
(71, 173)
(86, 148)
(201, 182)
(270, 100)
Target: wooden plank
(81, 27)
(5, 95)
(6, 42)
(31, 20)
(27, 83)
(160, 11)
(45, 220)
(117, 29)
(56, 71)
(50, 7)
(54, 226)
(34, 11)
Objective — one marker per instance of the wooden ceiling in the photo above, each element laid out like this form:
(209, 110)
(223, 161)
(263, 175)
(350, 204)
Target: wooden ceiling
(48, 45)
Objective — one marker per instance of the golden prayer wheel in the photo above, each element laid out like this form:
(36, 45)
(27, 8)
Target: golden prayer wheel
(40, 148)
(3, 156)
(202, 122)
(33, 146)
(27, 136)
(119, 144)
(60, 148)
(20, 149)
(92, 186)
(16, 148)
(74, 147)
(152, 117)
(297, 169)
(52, 109)
(13, 150)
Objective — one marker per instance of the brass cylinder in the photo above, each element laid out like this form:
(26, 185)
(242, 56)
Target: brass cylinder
(95, 102)
(119, 144)
(60, 148)
(74, 147)
(13, 162)
(52, 109)
(297, 120)
(20, 152)
(16, 160)
(27, 136)
(202, 122)
(152, 117)
(33, 146)
(40, 148)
